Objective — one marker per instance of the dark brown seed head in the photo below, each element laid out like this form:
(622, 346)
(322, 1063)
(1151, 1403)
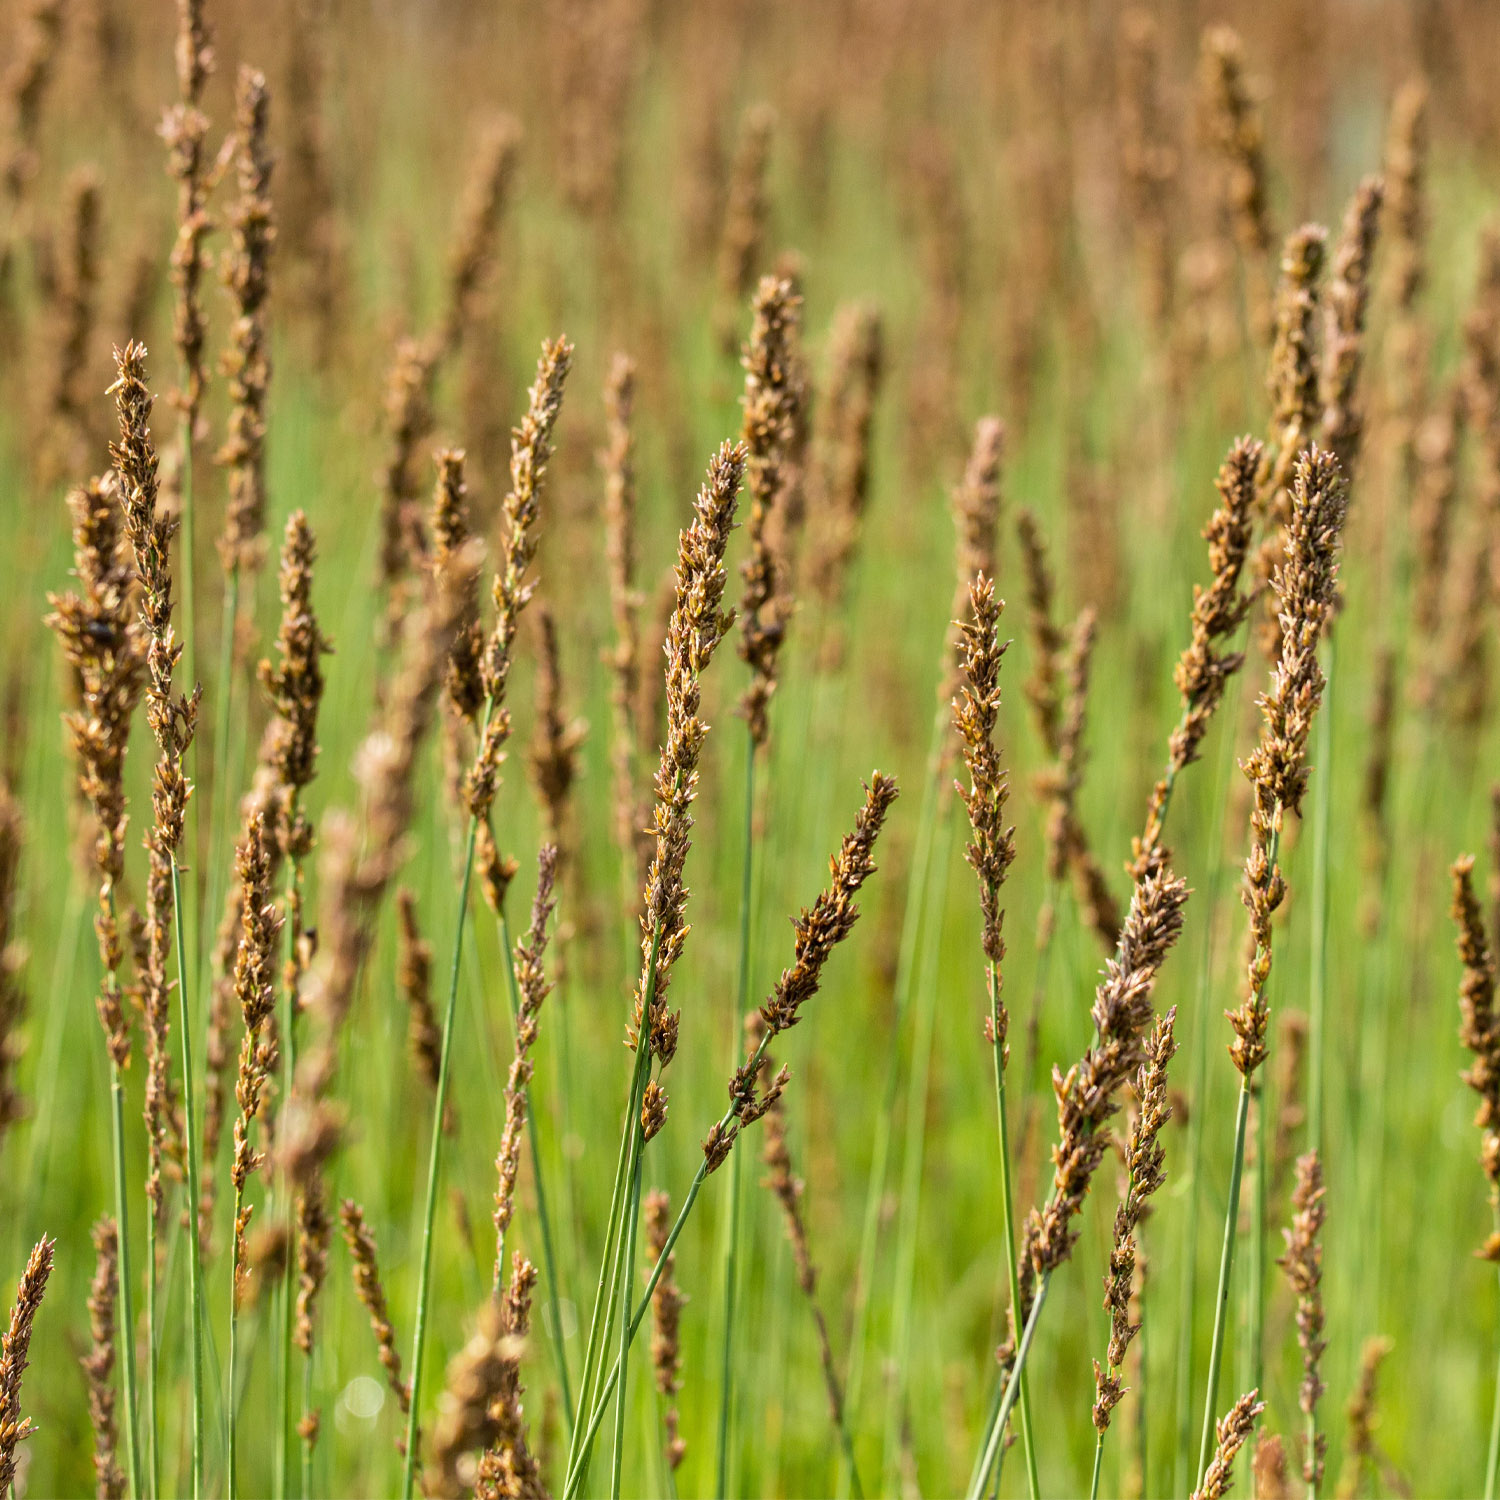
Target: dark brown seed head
(1303, 1264)
(14, 1428)
(1232, 1433)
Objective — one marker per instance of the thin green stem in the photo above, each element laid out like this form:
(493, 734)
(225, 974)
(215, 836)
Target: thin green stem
(1098, 1465)
(190, 1127)
(1256, 1339)
(127, 1290)
(993, 1452)
(544, 1218)
(310, 1436)
(234, 1325)
(627, 1274)
(1318, 998)
(1492, 1464)
(722, 1486)
(1007, 1201)
(434, 1163)
(1226, 1269)
(153, 1456)
(911, 921)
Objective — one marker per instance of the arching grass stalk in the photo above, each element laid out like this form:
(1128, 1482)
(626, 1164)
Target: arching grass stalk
(722, 1485)
(434, 1157)
(544, 1218)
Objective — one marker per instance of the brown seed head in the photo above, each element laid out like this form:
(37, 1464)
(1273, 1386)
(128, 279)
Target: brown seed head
(1232, 1433)
(99, 1362)
(370, 1290)
(1479, 1029)
(14, 1428)
(1344, 322)
(1303, 1264)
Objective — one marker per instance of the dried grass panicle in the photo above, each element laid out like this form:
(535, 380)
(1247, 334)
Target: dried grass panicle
(1043, 688)
(530, 450)
(14, 1428)
(553, 757)
(1375, 788)
(370, 1290)
(314, 1230)
(699, 623)
(450, 535)
(1292, 375)
(1067, 844)
(1434, 493)
(1145, 1161)
(23, 90)
(1231, 1433)
(247, 361)
(746, 212)
(1149, 159)
(481, 1405)
(666, 1320)
(1305, 584)
(12, 959)
(295, 683)
(770, 415)
(1291, 1092)
(1405, 173)
(819, 930)
(976, 528)
(414, 976)
(1234, 126)
(173, 719)
(1205, 668)
(1479, 1030)
(99, 1363)
(617, 460)
(1361, 1450)
(485, 195)
(533, 986)
(409, 418)
(103, 643)
(1303, 1264)
(843, 456)
(1269, 1479)
(185, 131)
(69, 403)
(976, 710)
(254, 988)
(1087, 1096)
(1346, 301)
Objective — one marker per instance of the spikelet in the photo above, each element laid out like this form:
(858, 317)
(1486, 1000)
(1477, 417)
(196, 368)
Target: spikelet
(370, 1290)
(1480, 1027)
(770, 415)
(414, 977)
(1048, 641)
(99, 1363)
(254, 988)
(103, 643)
(819, 930)
(481, 1406)
(976, 709)
(624, 656)
(1145, 1160)
(173, 718)
(745, 214)
(1269, 1479)
(247, 362)
(976, 527)
(185, 131)
(1344, 323)
(1360, 1450)
(530, 450)
(1303, 1264)
(1232, 1432)
(1087, 1094)
(1205, 668)
(1234, 128)
(450, 534)
(14, 1428)
(12, 959)
(553, 757)
(1292, 376)
(23, 91)
(69, 401)
(699, 623)
(533, 987)
(1305, 583)
(485, 194)
(843, 455)
(666, 1317)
